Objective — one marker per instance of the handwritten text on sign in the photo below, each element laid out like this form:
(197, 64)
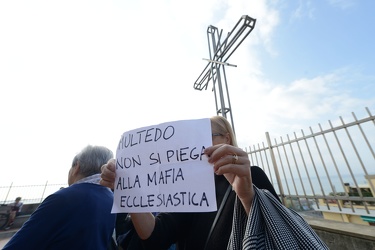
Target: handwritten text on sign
(163, 168)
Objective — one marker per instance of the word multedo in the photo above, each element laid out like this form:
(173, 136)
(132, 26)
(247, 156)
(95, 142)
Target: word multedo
(145, 136)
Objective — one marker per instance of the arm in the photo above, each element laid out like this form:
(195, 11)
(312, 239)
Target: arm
(20, 207)
(237, 172)
(261, 181)
(144, 223)
(154, 232)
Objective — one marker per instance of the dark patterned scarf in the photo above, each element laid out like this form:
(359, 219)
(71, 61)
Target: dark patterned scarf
(271, 225)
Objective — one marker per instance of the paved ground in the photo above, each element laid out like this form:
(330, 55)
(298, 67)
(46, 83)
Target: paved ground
(3, 242)
(6, 235)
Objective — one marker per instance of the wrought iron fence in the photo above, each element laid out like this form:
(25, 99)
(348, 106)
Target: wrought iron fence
(29, 193)
(325, 170)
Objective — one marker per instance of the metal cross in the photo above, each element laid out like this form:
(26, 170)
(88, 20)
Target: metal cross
(219, 54)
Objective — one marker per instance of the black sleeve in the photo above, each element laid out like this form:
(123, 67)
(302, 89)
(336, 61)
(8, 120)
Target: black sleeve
(168, 228)
(261, 181)
(122, 224)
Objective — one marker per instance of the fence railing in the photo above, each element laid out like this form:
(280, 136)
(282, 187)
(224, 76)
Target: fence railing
(324, 169)
(29, 193)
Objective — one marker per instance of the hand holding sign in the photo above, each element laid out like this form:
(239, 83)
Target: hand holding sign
(163, 168)
(226, 159)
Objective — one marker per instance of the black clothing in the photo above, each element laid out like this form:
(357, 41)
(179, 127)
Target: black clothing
(190, 230)
(270, 225)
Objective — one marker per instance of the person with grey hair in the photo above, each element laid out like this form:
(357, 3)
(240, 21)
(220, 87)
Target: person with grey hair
(76, 217)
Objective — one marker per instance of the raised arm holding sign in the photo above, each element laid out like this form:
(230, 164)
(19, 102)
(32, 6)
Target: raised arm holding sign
(236, 190)
(190, 230)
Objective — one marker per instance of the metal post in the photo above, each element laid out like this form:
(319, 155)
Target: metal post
(282, 194)
(6, 197)
(44, 190)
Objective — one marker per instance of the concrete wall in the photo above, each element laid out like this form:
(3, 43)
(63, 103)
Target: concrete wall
(26, 211)
(337, 235)
(338, 241)
(342, 235)
(29, 208)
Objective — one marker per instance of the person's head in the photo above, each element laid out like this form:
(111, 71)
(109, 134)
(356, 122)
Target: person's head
(222, 131)
(18, 199)
(88, 162)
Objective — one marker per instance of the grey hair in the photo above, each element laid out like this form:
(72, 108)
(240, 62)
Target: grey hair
(91, 159)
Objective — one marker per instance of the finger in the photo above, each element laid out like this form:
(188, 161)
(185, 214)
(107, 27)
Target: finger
(226, 154)
(217, 152)
(233, 163)
(107, 173)
(239, 170)
(111, 164)
(107, 183)
(224, 166)
(226, 160)
(208, 151)
(102, 168)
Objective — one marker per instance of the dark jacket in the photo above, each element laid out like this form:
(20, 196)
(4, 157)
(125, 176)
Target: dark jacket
(76, 217)
(190, 230)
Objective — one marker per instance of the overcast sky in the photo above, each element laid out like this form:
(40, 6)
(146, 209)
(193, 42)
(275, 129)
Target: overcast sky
(76, 72)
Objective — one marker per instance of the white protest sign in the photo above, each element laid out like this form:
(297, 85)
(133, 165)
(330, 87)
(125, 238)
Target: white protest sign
(163, 168)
